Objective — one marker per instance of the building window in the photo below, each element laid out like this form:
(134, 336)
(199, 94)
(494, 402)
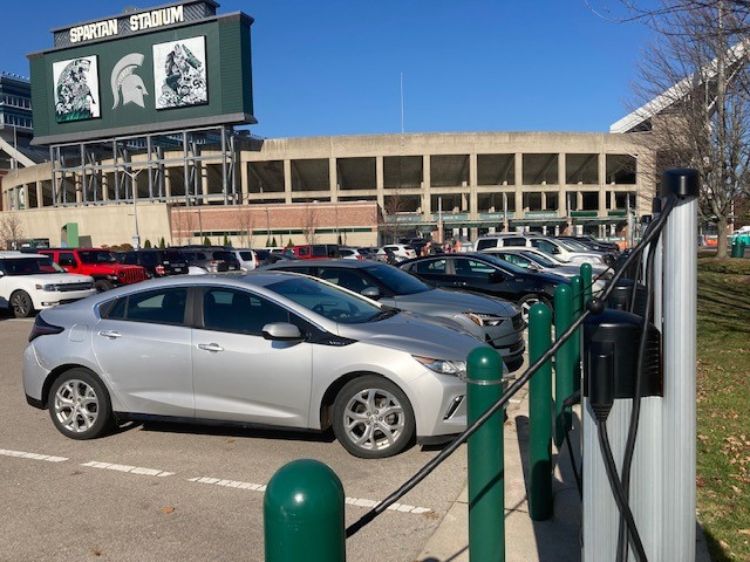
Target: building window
(540, 169)
(496, 169)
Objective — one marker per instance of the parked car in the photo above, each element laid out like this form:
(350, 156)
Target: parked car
(157, 262)
(351, 254)
(492, 321)
(213, 260)
(593, 244)
(401, 251)
(314, 251)
(486, 274)
(538, 262)
(98, 263)
(268, 348)
(31, 282)
(601, 271)
(547, 245)
(248, 258)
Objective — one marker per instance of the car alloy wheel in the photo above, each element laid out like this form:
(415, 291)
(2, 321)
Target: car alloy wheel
(374, 419)
(526, 305)
(76, 406)
(21, 304)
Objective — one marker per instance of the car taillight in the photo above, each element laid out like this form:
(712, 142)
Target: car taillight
(42, 328)
(360, 257)
(160, 270)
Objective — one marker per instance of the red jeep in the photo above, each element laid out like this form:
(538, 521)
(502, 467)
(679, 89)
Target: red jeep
(99, 264)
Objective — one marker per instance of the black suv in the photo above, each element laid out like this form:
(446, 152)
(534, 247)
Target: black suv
(212, 259)
(157, 262)
(484, 273)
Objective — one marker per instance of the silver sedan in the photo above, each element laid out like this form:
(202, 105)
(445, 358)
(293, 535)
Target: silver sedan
(274, 349)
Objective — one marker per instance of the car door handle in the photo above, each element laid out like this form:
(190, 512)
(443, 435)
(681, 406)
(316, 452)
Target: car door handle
(111, 334)
(210, 347)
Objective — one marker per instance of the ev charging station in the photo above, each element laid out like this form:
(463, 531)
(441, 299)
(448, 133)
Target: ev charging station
(661, 494)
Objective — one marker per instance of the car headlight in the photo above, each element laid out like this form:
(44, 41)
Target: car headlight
(46, 287)
(481, 319)
(113, 277)
(443, 366)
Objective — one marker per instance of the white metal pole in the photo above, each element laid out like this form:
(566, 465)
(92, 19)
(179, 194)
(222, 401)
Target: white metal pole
(679, 298)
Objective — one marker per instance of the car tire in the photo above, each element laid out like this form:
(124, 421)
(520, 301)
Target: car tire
(21, 304)
(530, 300)
(103, 285)
(369, 439)
(79, 405)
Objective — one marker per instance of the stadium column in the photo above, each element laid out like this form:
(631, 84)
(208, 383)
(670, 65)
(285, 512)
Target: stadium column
(244, 180)
(379, 182)
(473, 203)
(287, 181)
(562, 180)
(518, 181)
(426, 185)
(40, 194)
(333, 179)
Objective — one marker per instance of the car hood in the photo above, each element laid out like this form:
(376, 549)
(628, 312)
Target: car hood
(415, 335)
(62, 278)
(454, 301)
(544, 277)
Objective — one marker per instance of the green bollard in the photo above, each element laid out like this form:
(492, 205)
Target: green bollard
(577, 289)
(303, 514)
(540, 413)
(564, 367)
(587, 280)
(485, 452)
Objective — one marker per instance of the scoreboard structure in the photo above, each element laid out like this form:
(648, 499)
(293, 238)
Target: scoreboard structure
(172, 67)
(144, 91)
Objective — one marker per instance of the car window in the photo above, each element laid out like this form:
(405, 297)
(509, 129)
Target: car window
(97, 256)
(246, 256)
(66, 258)
(29, 266)
(149, 258)
(172, 256)
(304, 251)
(162, 306)
(397, 281)
(232, 310)
(200, 256)
(516, 259)
(347, 278)
(540, 259)
(131, 258)
(486, 243)
(434, 267)
(116, 310)
(514, 241)
(344, 253)
(545, 246)
(473, 268)
(329, 302)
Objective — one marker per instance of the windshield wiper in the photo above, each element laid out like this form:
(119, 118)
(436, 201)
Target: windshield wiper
(387, 312)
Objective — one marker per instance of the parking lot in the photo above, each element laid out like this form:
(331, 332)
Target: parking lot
(168, 492)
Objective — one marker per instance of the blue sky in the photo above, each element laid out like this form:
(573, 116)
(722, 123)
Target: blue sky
(333, 67)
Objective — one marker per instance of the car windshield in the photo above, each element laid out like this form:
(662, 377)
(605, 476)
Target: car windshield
(97, 256)
(29, 266)
(575, 245)
(330, 302)
(501, 263)
(396, 280)
(222, 255)
(541, 260)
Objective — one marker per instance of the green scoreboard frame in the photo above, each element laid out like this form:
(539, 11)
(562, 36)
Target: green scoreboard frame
(108, 87)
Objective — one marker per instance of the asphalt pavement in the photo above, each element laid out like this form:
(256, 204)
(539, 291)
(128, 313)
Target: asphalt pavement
(175, 492)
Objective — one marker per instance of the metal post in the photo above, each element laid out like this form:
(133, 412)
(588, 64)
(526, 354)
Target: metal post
(575, 286)
(678, 412)
(303, 514)
(564, 367)
(224, 186)
(485, 455)
(587, 274)
(148, 164)
(540, 411)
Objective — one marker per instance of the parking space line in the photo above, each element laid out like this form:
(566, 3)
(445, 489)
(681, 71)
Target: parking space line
(129, 469)
(357, 502)
(31, 456)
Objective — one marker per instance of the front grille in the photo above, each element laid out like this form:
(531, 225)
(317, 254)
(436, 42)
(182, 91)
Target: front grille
(132, 275)
(66, 287)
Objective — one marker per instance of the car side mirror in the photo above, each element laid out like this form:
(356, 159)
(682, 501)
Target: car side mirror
(371, 293)
(281, 331)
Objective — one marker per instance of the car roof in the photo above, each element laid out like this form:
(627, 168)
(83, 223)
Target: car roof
(348, 264)
(12, 255)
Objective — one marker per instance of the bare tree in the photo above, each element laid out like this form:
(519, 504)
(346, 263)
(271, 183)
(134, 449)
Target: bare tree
(309, 223)
(11, 231)
(698, 78)
(246, 223)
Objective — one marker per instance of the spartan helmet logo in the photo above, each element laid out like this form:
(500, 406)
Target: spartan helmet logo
(123, 79)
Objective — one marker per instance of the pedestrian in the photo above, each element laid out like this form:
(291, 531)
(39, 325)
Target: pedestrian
(426, 249)
(447, 247)
(456, 247)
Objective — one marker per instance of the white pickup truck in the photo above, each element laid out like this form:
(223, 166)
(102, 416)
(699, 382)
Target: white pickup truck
(30, 282)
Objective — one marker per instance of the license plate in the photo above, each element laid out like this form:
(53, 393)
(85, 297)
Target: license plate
(177, 270)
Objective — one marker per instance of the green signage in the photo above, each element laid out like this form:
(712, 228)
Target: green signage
(165, 78)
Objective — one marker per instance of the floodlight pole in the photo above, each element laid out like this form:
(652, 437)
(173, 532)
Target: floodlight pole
(132, 177)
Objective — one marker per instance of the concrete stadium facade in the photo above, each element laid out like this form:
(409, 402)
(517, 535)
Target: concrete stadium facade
(357, 189)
